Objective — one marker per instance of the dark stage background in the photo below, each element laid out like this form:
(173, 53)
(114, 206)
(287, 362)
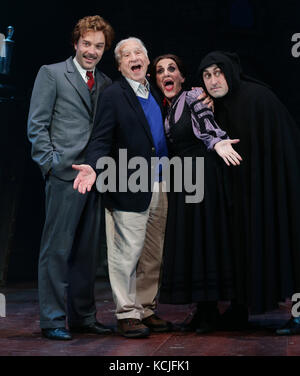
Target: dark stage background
(259, 31)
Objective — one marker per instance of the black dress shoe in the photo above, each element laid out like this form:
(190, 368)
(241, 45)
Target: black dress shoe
(95, 328)
(206, 327)
(204, 320)
(208, 319)
(236, 317)
(290, 327)
(60, 334)
(193, 323)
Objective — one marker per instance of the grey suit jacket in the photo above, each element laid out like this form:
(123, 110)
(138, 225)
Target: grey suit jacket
(61, 117)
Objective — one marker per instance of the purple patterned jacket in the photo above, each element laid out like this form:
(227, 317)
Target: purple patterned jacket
(204, 126)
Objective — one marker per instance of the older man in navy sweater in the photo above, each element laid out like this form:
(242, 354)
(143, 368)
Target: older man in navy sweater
(129, 117)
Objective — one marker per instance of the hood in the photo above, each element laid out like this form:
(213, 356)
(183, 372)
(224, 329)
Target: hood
(230, 65)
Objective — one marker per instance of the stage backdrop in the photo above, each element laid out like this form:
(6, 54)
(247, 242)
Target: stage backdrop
(263, 33)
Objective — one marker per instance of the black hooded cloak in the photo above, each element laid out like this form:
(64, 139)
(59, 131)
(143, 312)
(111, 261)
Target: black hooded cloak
(265, 187)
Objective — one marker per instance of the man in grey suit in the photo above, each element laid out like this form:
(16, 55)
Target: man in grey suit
(60, 122)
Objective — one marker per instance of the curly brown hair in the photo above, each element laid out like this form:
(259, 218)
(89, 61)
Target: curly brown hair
(93, 23)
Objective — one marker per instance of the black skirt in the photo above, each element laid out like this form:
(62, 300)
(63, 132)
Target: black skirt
(198, 260)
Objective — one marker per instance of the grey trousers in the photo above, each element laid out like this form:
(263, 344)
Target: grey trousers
(68, 256)
(134, 253)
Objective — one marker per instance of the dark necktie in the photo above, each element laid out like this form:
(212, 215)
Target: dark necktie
(91, 80)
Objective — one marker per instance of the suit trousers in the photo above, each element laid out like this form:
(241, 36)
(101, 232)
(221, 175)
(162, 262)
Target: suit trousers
(135, 246)
(68, 257)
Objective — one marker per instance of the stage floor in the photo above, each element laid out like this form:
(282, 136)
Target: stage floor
(20, 333)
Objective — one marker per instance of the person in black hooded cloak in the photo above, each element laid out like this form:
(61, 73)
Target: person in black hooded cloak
(265, 187)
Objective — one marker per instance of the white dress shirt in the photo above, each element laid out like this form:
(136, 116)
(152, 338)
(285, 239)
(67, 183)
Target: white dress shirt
(82, 71)
(139, 89)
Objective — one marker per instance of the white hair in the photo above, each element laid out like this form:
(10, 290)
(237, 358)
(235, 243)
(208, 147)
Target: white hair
(119, 45)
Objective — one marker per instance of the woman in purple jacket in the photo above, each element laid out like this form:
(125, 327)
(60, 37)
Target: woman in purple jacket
(198, 264)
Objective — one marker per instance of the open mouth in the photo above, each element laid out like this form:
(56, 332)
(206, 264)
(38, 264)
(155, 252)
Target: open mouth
(169, 85)
(136, 68)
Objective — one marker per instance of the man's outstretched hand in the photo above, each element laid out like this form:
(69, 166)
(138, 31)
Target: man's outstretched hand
(85, 178)
(226, 151)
